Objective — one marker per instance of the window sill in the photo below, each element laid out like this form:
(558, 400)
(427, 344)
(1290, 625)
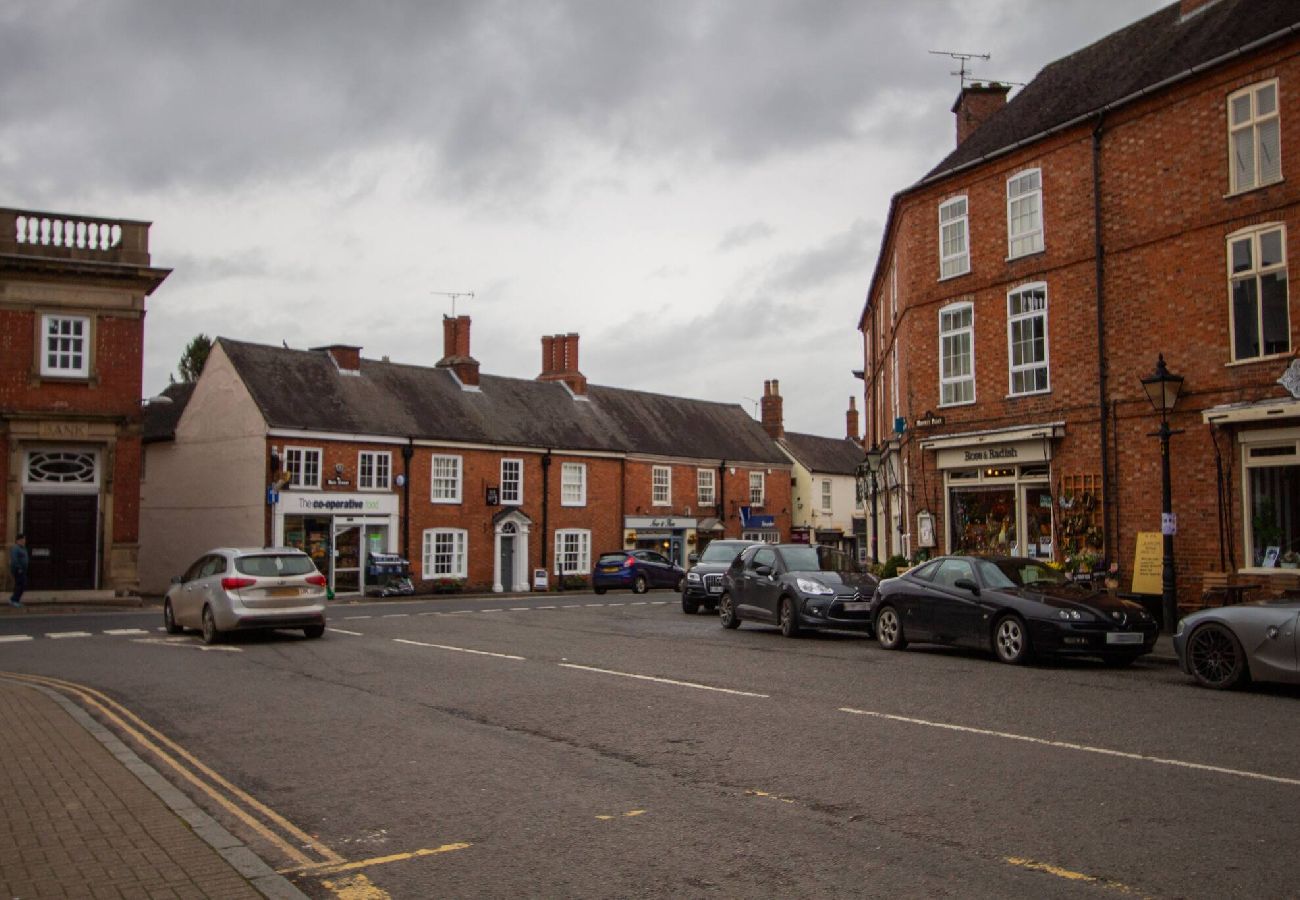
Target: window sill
(943, 278)
(573, 504)
(442, 501)
(955, 405)
(1272, 357)
(1041, 393)
(1039, 252)
(1241, 192)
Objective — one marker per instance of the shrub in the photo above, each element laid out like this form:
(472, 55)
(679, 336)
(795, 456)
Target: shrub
(890, 568)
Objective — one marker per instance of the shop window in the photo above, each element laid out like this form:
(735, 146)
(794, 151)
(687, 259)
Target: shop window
(303, 465)
(661, 481)
(1275, 515)
(65, 346)
(446, 479)
(1254, 137)
(512, 482)
(704, 487)
(374, 471)
(1261, 318)
(444, 553)
(573, 551)
(756, 488)
(983, 520)
(762, 537)
(573, 484)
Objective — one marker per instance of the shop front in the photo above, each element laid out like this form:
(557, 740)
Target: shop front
(339, 532)
(672, 536)
(997, 491)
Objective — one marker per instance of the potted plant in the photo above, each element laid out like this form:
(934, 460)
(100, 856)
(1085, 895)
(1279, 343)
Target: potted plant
(1290, 560)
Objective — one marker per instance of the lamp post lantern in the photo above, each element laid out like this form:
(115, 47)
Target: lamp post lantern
(1162, 388)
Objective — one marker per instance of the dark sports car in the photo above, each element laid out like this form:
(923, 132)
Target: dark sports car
(1016, 607)
(1233, 645)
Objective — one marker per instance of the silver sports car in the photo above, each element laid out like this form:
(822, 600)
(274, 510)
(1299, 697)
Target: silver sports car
(1229, 646)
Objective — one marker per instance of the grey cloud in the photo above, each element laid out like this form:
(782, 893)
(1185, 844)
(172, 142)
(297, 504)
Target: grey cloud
(743, 235)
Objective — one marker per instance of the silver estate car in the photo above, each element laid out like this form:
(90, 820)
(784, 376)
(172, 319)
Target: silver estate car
(230, 589)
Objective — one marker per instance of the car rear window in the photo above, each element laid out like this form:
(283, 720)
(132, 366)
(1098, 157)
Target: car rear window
(609, 559)
(274, 564)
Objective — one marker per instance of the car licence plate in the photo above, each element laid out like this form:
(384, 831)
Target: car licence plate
(715, 589)
(1124, 637)
(284, 592)
(609, 568)
(856, 605)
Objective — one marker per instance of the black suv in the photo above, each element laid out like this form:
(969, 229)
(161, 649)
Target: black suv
(703, 584)
(797, 586)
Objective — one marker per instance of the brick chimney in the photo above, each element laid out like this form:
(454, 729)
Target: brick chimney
(975, 104)
(1188, 8)
(345, 356)
(773, 418)
(851, 421)
(560, 362)
(455, 352)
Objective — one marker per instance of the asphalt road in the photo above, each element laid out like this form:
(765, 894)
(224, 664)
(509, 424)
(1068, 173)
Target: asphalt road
(574, 745)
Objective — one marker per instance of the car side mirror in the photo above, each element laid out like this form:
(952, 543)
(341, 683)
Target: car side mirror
(765, 571)
(176, 579)
(967, 585)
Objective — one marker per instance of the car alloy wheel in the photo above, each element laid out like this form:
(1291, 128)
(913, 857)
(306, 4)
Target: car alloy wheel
(889, 629)
(639, 585)
(727, 612)
(789, 618)
(210, 633)
(169, 619)
(1011, 640)
(1216, 658)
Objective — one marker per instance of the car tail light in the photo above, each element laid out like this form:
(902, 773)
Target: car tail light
(233, 584)
(629, 562)
(318, 580)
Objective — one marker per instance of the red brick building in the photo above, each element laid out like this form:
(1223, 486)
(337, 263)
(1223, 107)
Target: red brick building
(1132, 200)
(479, 480)
(72, 304)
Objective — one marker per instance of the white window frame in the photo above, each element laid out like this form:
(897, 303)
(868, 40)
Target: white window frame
(954, 227)
(512, 482)
(1020, 318)
(451, 483)
(968, 332)
(374, 470)
(573, 484)
(63, 353)
(575, 558)
(1251, 127)
(1256, 272)
(706, 487)
(458, 539)
(298, 469)
(661, 486)
(1031, 239)
(757, 489)
(827, 495)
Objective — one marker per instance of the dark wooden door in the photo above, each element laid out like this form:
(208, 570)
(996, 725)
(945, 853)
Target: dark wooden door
(61, 535)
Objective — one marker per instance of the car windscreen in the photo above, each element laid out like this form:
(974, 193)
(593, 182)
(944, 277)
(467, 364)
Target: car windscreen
(1005, 573)
(274, 565)
(721, 552)
(819, 559)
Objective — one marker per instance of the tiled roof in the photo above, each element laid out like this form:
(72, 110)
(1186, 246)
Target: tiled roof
(1121, 65)
(160, 418)
(304, 389)
(832, 456)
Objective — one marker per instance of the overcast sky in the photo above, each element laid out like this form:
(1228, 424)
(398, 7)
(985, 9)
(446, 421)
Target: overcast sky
(697, 188)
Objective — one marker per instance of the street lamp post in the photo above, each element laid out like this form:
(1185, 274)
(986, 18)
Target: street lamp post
(873, 466)
(1162, 389)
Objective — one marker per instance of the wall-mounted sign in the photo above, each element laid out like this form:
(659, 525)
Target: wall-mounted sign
(492, 496)
(929, 421)
(925, 529)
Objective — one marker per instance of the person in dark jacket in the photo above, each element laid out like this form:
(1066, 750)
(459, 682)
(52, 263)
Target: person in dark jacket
(18, 560)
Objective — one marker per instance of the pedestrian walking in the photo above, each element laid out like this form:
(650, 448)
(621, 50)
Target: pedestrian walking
(18, 560)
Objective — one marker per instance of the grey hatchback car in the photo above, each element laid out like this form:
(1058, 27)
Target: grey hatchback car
(230, 589)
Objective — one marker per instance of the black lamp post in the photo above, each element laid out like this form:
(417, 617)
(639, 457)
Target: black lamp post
(873, 466)
(1163, 388)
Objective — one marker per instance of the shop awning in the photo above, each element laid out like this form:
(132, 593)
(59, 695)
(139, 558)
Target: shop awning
(995, 436)
(1260, 411)
(710, 524)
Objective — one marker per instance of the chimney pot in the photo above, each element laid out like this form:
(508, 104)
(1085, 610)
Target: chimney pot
(345, 356)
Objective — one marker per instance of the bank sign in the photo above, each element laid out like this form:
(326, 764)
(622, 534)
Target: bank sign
(302, 503)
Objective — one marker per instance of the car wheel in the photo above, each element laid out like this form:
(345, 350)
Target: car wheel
(689, 606)
(1215, 657)
(727, 612)
(599, 590)
(210, 633)
(169, 619)
(789, 618)
(889, 629)
(681, 585)
(314, 631)
(640, 585)
(1011, 640)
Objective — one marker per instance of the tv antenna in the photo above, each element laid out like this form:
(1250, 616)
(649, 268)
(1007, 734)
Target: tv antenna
(453, 295)
(961, 60)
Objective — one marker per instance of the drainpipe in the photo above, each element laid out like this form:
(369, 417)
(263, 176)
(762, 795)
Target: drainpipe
(722, 497)
(1099, 256)
(408, 451)
(546, 510)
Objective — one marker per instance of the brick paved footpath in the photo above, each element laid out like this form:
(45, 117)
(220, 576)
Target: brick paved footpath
(82, 816)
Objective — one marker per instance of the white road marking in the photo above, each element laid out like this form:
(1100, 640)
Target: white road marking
(1067, 745)
(572, 606)
(595, 604)
(125, 631)
(521, 609)
(185, 643)
(495, 609)
(458, 649)
(344, 631)
(689, 684)
(639, 603)
(615, 604)
(66, 634)
(396, 615)
(545, 607)
(660, 602)
(13, 638)
(356, 617)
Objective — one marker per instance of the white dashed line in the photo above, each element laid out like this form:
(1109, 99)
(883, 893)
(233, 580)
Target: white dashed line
(396, 615)
(545, 607)
(14, 638)
(125, 631)
(457, 649)
(521, 609)
(595, 604)
(56, 635)
(343, 631)
(689, 684)
(356, 617)
(1066, 745)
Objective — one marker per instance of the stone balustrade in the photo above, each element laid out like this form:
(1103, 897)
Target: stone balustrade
(63, 236)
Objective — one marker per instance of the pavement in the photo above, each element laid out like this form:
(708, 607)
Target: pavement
(84, 816)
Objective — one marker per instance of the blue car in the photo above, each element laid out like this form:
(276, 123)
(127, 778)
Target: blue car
(639, 570)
